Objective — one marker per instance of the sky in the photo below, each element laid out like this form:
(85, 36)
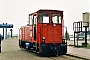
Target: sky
(16, 11)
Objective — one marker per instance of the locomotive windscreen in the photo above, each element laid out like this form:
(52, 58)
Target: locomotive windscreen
(43, 18)
(56, 18)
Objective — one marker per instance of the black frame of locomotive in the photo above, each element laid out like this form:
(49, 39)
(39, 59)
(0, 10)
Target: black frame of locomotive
(78, 28)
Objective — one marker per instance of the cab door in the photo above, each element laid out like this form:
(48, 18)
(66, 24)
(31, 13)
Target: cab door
(34, 26)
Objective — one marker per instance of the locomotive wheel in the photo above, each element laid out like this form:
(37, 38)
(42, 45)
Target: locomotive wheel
(19, 43)
(22, 44)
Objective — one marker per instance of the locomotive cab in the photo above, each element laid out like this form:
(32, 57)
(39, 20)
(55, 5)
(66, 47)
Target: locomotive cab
(50, 24)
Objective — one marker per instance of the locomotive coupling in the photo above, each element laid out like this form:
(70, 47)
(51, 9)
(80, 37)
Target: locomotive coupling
(55, 48)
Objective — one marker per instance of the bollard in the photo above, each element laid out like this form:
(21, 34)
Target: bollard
(3, 32)
(11, 32)
(6, 32)
(0, 43)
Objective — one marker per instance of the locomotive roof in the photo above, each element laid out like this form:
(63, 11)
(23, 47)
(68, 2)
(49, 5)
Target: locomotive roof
(46, 10)
(50, 10)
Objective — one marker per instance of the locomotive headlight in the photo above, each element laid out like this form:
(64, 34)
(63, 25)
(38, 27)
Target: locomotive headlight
(43, 38)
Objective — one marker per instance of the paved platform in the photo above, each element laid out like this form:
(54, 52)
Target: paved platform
(80, 52)
(11, 51)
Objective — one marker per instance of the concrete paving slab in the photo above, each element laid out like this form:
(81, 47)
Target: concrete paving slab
(81, 52)
(11, 51)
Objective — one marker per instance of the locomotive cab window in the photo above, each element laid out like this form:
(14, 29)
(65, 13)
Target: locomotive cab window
(34, 20)
(30, 19)
(56, 18)
(43, 18)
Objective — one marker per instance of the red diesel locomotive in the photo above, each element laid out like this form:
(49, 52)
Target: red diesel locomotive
(44, 33)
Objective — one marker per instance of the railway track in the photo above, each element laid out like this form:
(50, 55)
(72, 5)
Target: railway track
(64, 57)
(67, 57)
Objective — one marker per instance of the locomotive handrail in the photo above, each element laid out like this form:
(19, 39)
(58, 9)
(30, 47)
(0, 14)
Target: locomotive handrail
(65, 27)
(66, 32)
